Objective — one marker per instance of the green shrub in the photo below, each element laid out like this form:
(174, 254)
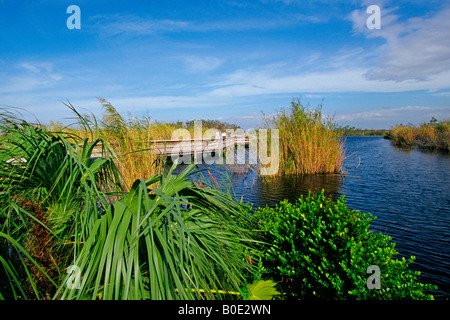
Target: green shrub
(320, 248)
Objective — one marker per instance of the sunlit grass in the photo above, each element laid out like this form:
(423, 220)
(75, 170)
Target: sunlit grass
(433, 135)
(309, 144)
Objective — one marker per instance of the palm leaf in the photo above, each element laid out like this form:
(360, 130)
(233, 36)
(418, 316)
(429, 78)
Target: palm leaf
(262, 290)
(148, 244)
(50, 170)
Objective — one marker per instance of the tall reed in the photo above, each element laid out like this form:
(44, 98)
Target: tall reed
(131, 141)
(309, 144)
(433, 135)
(403, 136)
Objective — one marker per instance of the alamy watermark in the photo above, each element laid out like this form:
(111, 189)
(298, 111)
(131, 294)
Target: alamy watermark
(374, 20)
(74, 20)
(74, 278)
(211, 147)
(374, 280)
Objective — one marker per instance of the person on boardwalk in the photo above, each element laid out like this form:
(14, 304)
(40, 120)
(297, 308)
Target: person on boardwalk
(224, 136)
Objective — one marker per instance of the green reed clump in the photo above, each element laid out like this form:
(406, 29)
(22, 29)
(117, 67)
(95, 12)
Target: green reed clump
(309, 143)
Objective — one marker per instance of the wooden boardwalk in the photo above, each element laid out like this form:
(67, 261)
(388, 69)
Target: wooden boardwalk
(196, 146)
(167, 148)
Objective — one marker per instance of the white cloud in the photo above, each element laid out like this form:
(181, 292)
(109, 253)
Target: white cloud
(166, 102)
(415, 49)
(37, 67)
(248, 83)
(444, 93)
(133, 24)
(197, 64)
(29, 67)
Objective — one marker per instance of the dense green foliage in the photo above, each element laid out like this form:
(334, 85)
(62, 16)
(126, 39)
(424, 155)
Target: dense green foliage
(68, 230)
(51, 192)
(320, 248)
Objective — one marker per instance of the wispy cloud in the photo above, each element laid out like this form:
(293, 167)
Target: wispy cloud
(115, 24)
(415, 49)
(132, 24)
(37, 67)
(201, 64)
(29, 76)
(242, 83)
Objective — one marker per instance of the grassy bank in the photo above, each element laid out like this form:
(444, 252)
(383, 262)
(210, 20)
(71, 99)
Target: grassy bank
(309, 144)
(433, 135)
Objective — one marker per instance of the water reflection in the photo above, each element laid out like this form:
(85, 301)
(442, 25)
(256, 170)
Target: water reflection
(245, 184)
(272, 191)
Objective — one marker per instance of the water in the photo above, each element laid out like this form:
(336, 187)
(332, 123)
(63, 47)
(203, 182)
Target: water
(408, 192)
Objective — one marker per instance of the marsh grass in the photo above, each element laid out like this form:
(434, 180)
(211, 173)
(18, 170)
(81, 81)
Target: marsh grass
(432, 135)
(403, 136)
(309, 144)
(129, 138)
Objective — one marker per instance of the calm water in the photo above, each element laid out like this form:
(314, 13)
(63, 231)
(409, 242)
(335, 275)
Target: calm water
(408, 192)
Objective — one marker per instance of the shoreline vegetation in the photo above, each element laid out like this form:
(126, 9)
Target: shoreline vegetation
(309, 143)
(434, 135)
(353, 131)
(74, 226)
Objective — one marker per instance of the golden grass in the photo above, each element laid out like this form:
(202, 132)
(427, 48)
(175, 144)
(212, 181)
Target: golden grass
(403, 135)
(130, 139)
(432, 135)
(309, 144)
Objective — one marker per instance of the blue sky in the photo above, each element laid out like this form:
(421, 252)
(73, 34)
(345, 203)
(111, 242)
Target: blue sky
(228, 60)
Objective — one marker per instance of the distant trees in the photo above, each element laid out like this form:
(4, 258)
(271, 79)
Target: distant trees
(214, 124)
